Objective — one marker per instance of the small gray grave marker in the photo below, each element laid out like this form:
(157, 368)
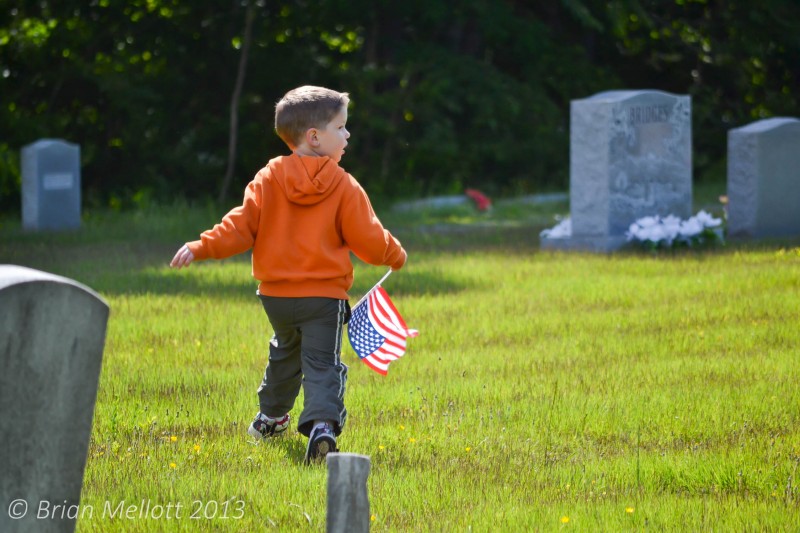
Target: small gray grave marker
(52, 332)
(51, 185)
(348, 502)
(630, 157)
(763, 179)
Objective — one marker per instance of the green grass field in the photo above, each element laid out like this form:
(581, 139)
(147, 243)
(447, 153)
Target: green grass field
(547, 391)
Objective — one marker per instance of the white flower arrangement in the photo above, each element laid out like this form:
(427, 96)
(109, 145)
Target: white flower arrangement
(562, 230)
(656, 232)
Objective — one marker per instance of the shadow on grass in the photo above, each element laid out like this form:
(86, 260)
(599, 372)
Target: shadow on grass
(132, 268)
(132, 256)
(293, 449)
(135, 267)
(701, 252)
(416, 280)
(453, 238)
(230, 280)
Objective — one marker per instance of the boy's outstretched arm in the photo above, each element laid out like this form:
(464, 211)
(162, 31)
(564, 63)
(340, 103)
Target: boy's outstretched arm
(182, 258)
(233, 235)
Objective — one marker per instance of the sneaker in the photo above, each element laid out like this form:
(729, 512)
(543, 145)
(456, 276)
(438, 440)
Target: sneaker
(321, 442)
(264, 426)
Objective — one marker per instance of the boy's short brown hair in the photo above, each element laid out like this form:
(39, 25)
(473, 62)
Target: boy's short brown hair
(306, 107)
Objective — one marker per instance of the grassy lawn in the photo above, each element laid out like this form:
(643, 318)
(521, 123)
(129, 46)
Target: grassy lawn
(546, 390)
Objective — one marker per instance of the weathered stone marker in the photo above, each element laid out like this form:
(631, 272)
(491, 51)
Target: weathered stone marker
(630, 157)
(348, 502)
(764, 179)
(51, 185)
(52, 333)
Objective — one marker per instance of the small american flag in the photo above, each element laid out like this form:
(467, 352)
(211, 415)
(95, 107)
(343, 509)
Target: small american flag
(377, 332)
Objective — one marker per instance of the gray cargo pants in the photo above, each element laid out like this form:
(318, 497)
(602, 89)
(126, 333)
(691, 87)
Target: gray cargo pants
(306, 349)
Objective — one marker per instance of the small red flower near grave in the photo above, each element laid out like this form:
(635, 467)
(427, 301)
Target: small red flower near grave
(482, 202)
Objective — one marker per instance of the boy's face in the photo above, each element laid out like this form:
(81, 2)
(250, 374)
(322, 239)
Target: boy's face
(332, 140)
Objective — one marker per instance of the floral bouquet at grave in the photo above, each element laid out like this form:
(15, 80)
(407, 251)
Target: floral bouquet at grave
(671, 232)
(561, 230)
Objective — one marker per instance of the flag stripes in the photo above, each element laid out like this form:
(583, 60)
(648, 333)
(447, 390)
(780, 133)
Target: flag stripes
(377, 332)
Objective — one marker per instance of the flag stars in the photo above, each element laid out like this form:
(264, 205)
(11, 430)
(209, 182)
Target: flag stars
(377, 332)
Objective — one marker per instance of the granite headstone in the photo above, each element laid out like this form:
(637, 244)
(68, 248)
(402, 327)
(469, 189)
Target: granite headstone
(52, 333)
(51, 185)
(764, 179)
(630, 157)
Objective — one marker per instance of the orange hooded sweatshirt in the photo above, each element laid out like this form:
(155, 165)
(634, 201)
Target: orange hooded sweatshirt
(302, 216)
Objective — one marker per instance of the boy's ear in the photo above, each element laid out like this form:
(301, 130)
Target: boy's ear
(311, 137)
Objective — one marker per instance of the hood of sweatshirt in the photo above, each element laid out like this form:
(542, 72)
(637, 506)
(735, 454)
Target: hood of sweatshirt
(306, 180)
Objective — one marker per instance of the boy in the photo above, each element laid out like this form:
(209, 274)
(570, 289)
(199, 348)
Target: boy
(302, 215)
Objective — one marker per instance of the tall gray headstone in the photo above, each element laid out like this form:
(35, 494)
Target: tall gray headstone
(348, 501)
(630, 157)
(52, 332)
(764, 179)
(51, 185)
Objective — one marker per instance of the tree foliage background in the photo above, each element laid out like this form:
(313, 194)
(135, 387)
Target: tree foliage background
(445, 94)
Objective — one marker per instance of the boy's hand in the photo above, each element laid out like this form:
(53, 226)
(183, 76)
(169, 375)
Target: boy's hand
(182, 258)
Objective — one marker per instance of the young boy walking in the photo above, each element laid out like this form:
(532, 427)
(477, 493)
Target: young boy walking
(302, 215)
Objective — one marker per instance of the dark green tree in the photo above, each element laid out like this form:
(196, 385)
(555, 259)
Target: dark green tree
(171, 98)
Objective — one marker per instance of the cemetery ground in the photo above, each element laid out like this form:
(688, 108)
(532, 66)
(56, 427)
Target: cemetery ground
(546, 391)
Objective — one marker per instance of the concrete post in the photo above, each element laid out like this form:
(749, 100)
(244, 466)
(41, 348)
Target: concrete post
(348, 501)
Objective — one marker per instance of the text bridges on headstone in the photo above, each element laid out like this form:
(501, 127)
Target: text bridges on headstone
(630, 157)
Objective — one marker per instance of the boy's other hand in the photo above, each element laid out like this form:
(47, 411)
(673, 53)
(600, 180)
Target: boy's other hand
(182, 258)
